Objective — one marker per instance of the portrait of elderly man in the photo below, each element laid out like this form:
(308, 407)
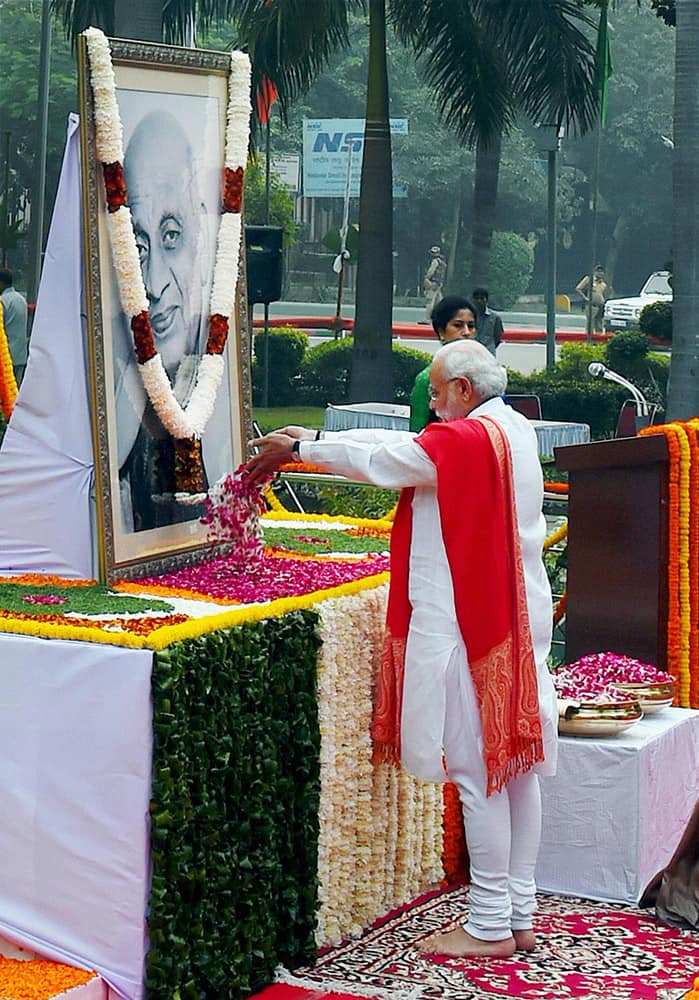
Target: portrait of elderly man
(174, 243)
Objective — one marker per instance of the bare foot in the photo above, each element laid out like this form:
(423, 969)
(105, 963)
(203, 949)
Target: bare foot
(459, 944)
(524, 940)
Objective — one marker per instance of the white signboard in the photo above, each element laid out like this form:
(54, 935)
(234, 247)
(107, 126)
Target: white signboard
(326, 154)
(287, 167)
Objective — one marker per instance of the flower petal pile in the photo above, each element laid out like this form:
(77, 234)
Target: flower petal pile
(592, 678)
(274, 577)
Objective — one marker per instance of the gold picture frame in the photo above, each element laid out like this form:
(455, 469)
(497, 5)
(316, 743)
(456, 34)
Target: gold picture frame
(172, 104)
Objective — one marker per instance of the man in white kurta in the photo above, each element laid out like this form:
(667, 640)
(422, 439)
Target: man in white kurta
(440, 718)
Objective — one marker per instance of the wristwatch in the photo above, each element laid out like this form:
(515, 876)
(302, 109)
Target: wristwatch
(295, 450)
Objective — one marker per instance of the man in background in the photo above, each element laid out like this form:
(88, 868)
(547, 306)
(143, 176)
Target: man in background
(488, 323)
(601, 291)
(435, 276)
(14, 307)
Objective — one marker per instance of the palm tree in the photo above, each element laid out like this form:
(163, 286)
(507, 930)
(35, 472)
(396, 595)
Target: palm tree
(489, 60)
(541, 55)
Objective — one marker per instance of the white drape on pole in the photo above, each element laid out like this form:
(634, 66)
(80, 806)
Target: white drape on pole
(46, 459)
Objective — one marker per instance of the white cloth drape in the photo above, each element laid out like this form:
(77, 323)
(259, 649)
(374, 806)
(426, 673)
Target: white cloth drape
(46, 463)
(75, 777)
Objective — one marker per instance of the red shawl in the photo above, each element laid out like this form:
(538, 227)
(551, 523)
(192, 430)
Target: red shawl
(479, 525)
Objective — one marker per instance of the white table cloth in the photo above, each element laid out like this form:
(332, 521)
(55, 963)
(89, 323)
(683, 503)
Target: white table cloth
(615, 811)
(394, 416)
(551, 434)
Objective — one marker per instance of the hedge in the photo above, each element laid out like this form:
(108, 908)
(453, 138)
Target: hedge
(234, 813)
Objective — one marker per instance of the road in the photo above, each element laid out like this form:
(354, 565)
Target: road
(524, 358)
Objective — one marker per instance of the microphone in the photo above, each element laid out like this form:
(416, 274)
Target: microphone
(598, 370)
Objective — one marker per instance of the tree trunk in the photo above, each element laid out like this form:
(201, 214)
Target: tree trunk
(139, 19)
(485, 197)
(371, 376)
(454, 235)
(683, 384)
(618, 236)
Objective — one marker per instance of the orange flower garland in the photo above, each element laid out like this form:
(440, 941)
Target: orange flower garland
(693, 433)
(681, 569)
(8, 383)
(38, 978)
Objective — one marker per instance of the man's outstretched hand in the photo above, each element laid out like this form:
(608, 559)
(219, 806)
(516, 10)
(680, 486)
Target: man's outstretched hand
(275, 450)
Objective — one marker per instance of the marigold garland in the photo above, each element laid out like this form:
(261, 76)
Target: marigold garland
(358, 522)
(39, 978)
(557, 536)
(8, 382)
(561, 488)
(561, 608)
(693, 434)
(682, 579)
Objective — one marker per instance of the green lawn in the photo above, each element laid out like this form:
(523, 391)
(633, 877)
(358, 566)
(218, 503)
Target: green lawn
(272, 417)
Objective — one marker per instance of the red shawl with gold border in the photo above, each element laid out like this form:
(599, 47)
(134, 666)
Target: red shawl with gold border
(478, 518)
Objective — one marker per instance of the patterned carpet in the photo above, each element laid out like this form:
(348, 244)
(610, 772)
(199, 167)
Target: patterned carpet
(586, 951)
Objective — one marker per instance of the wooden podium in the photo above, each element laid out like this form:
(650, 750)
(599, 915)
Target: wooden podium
(617, 547)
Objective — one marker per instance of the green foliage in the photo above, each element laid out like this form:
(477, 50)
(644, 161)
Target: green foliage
(656, 320)
(20, 32)
(628, 347)
(315, 541)
(234, 812)
(281, 202)
(407, 363)
(325, 372)
(287, 347)
(587, 402)
(628, 353)
(511, 266)
(575, 358)
(357, 501)
(337, 499)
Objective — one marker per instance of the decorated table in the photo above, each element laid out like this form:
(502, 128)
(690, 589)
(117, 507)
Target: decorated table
(617, 807)
(204, 760)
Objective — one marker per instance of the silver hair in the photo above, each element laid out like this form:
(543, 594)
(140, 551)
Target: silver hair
(471, 360)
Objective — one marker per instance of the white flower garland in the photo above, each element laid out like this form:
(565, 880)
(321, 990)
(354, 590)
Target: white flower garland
(380, 836)
(191, 420)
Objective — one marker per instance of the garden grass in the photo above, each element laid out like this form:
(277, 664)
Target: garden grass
(271, 417)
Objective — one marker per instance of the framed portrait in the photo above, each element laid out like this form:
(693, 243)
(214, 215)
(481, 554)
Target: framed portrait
(172, 103)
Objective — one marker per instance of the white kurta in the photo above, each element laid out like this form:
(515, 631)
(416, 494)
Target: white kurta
(435, 647)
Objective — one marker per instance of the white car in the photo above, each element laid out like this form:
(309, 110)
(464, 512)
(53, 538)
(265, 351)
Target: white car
(620, 313)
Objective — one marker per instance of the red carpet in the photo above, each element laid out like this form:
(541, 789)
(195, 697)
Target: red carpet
(586, 950)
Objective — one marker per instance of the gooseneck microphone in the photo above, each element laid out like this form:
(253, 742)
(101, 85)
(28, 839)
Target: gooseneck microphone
(598, 370)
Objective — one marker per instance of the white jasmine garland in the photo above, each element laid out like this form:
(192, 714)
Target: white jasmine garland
(238, 112)
(132, 292)
(191, 420)
(109, 136)
(227, 256)
(379, 840)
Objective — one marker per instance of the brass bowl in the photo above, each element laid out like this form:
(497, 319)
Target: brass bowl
(651, 697)
(599, 719)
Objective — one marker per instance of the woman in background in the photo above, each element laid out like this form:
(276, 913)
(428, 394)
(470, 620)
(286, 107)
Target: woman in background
(453, 318)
